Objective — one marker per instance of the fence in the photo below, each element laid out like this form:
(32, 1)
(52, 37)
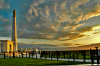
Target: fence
(18, 54)
(85, 54)
(76, 54)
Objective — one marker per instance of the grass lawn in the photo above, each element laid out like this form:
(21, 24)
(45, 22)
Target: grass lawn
(37, 62)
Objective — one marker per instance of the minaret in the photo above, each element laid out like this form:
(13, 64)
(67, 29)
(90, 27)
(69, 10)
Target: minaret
(14, 32)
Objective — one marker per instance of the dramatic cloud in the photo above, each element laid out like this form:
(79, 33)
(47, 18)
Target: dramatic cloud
(85, 29)
(61, 20)
(25, 45)
(68, 35)
(96, 32)
(57, 19)
(33, 42)
(3, 4)
(3, 19)
(48, 46)
(5, 27)
(84, 47)
(67, 44)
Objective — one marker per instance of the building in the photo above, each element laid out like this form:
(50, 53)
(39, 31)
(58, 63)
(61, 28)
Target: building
(7, 45)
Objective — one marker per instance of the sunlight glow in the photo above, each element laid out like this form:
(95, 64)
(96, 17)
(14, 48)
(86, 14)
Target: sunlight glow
(96, 28)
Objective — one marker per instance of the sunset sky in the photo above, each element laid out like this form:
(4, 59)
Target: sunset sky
(51, 24)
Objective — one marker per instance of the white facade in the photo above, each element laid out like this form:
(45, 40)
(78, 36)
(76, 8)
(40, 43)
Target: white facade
(6, 46)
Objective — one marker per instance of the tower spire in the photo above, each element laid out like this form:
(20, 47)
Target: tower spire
(14, 32)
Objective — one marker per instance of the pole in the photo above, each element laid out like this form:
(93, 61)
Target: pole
(32, 54)
(64, 54)
(29, 54)
(22, 55)
(91, 56)
(45, 54)
(84, 55)
(40, 55)
(49, 53)
(70, 54)
(74, 55)
(57, 55)
(4, 55)
(26, 54)
(51, 56)
(36, 55)
(77, 54)
(13, 55)
(97, 55)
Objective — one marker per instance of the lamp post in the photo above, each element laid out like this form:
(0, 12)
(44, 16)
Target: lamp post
(97, 55)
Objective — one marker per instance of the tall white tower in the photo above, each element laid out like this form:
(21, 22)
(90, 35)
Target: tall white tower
(14, 32)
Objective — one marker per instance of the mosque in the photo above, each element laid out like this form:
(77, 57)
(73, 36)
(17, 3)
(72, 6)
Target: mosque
(7, 45)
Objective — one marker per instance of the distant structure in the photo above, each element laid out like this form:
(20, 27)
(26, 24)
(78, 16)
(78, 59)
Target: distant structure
(14, 32)
(7, 45)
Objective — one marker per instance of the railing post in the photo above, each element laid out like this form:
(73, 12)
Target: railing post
(10, 54)
(77, 54)
(22, 55)
(97, 55)
(4, 55)
(13, 55)
(94, 54)
(36, 55)
(29, 54)
(64, 54)
(45, 54)
(57, 54)
(84, 55)
(40, 55)
(74, 55)
(51, 56)
(49, 53)
(70, 54)
(32, 54)
(91, 56)
(26, 54)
